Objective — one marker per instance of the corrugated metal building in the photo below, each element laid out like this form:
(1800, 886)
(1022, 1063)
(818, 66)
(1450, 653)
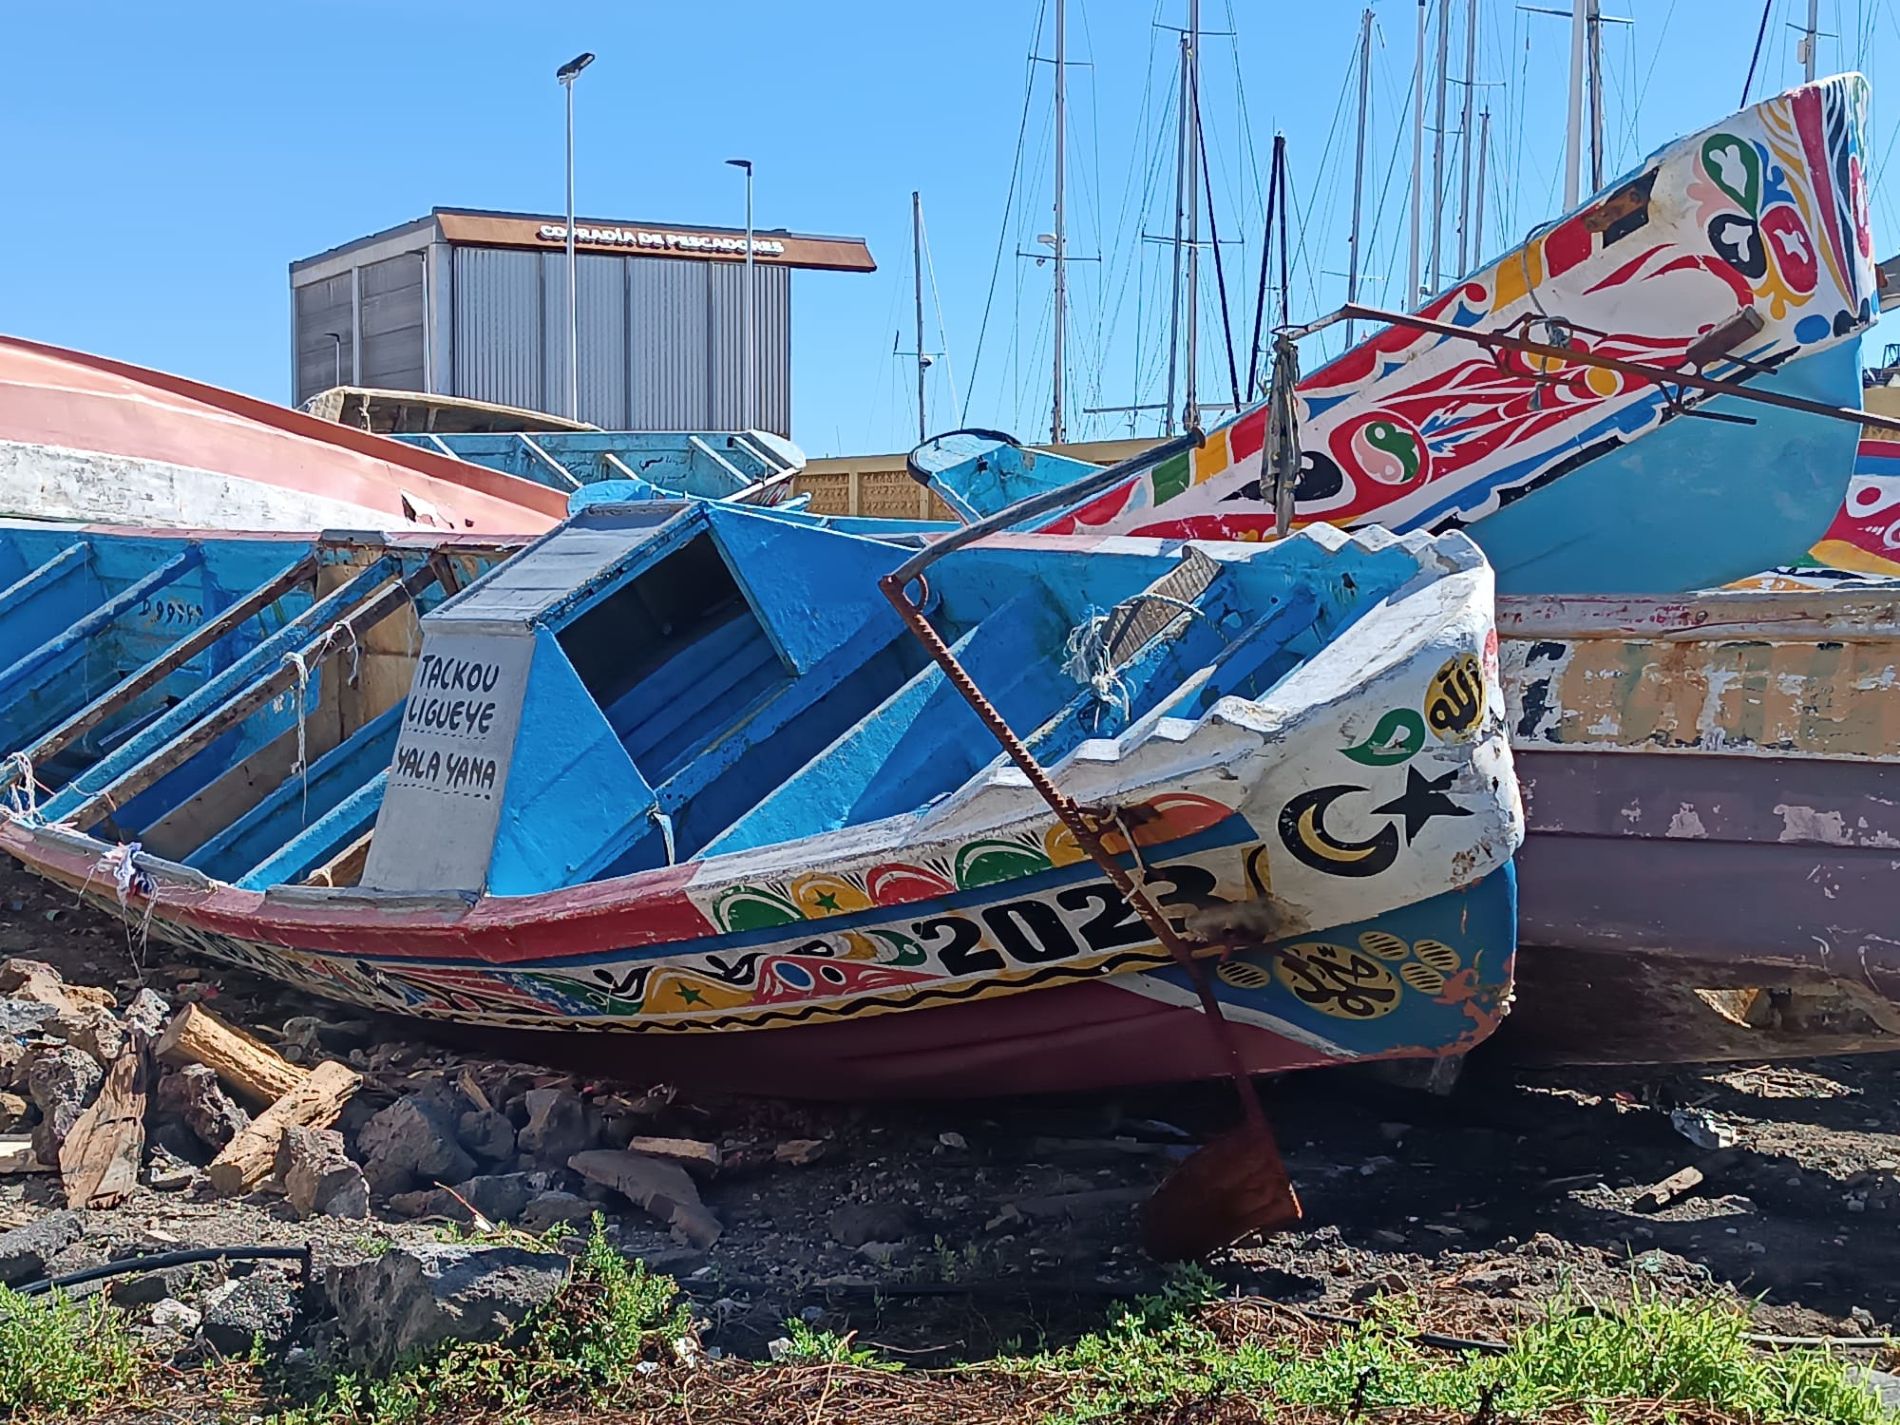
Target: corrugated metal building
(473, 303)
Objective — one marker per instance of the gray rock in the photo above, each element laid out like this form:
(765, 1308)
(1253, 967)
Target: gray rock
(152, 1288)
(318, 1176)
(553, 1209)
(487, 1134)
(23, 1018)
(40, 983)
(193, 1096)
(859, 1222)
(95, 1030)
(61, 1081)
(409, 1143)
(500, 1197)
(149, 1012)
(559, 1126)
(174, 1318)
(260, 1308)
(26, 1251)
(414, 1298)
(1884, 1386)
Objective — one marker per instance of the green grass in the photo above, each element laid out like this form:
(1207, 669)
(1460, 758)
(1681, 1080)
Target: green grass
(61, 1357)
(1166, 1352)
(610, 1336)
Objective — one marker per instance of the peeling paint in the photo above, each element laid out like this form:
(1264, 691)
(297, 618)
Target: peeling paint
(1686, 823)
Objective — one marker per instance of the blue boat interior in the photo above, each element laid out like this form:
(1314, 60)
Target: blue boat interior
(143, 674)
(659, 681)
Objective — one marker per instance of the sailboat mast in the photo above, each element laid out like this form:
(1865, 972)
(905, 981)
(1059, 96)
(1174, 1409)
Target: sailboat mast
(1813, 30)
(1191, 100)
(917, 264)
(1359, 163)
(1477, 214)
(1438, 142)
(1418, 162)
(1056, 432)
(1174, 306)
(1596, 96)
(1464, 136)
(1573, 126)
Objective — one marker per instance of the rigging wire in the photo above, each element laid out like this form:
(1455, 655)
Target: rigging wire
(1760, 34)
(1213, 237)
(943, 331)
(1002, 236)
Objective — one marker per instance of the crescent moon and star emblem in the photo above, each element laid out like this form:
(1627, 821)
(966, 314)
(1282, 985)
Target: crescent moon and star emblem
(1304, 832)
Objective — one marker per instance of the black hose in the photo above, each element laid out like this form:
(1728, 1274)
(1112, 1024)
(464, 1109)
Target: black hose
(158, 1261)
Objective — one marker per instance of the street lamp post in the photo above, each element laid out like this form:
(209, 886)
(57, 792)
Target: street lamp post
(566, 75)
(750, 384)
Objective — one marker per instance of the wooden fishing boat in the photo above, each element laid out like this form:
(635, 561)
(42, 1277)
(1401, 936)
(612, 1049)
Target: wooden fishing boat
(1740, 252)
(1712, 787)
(85, 438)
(678, 771)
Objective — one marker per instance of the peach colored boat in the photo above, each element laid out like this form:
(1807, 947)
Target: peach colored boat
(89, 438)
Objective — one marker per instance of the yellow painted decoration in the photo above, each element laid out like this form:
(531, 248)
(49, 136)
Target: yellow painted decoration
(1509, 284)
(1213, 457)
(1058, 844)
(1422, 978)
(1385, 945)
(1338, 981)
(1440, 956)
(1243, 975)
(820, 894)
(679, 992)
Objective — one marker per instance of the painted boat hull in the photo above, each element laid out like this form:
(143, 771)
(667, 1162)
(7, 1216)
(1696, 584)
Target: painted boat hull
(85, 438)
(1345, 831)
(1712, 796)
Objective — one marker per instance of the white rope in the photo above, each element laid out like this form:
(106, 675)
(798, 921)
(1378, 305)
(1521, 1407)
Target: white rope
(665, 823)
(24, 795)
(129, 880)
(1086, 653)
(296, 660)
(1085, 659)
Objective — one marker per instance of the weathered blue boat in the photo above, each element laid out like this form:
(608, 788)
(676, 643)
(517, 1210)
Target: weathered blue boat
(678, 770)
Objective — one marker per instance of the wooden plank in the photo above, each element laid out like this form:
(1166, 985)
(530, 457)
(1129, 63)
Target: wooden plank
(258, 1072)
(99, 1161)
(17, 1156)
(346, 867)
(250, 1157)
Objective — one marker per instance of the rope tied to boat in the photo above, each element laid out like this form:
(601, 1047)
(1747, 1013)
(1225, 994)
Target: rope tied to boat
(1086, 659)
(130, 879)
(23, 794)
(295, 659)
(1088, 654)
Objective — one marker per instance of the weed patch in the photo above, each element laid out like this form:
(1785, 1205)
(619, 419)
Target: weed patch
(62, 1357)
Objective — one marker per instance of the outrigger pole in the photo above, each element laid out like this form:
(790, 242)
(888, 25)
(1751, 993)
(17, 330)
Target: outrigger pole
(1662, 376)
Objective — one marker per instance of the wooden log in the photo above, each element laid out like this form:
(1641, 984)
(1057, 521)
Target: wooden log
(250, 1157)
(1681, 1183)
(254, 1069)
(100, 1159)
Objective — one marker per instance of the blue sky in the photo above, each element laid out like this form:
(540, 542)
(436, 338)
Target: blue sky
(163, 164)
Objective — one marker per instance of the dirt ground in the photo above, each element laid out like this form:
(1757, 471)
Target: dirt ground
(992, 1223)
